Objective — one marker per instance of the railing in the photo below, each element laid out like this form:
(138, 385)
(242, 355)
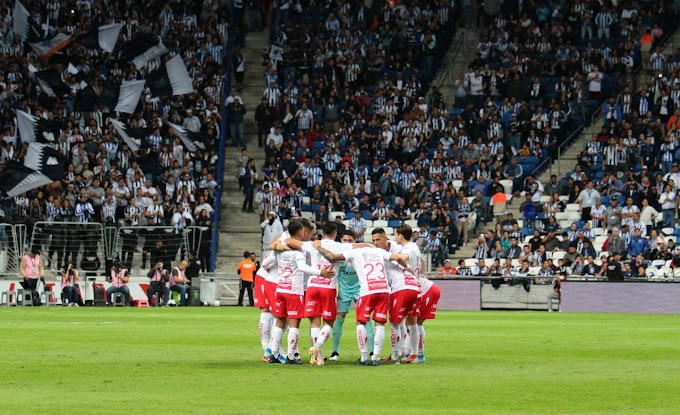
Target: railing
(222, 287)
(215, 237)
(93, 247)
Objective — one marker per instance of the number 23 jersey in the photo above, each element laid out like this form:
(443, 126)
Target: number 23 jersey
(369, 264)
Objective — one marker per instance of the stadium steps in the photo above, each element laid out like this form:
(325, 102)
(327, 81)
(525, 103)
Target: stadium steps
(455, 63)
(240, 231)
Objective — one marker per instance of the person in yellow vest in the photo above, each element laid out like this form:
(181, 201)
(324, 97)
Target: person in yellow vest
(32, 268)
(118, 278)
(246, 270)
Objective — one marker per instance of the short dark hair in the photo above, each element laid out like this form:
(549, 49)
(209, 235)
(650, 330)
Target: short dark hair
(405, 231)
(246, 254)
(294, 227)
(329, 228)
(378, 231)
(351, 233)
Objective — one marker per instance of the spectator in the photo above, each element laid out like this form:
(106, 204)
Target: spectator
(31, 268)
(271, 228)
(447, 270)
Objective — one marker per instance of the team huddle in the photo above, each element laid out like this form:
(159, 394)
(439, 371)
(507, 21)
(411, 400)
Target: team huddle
(318, 279)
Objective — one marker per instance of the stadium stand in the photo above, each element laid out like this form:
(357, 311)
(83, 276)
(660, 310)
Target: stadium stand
(537, 80)
(118, 110)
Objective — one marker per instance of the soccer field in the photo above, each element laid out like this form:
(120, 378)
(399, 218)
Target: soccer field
(207, 360)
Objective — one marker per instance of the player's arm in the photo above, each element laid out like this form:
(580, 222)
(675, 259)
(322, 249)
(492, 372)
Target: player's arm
(362, 245)
(268, 262)
(329, 255)
(302, 266)
(401, 260)
(275, 241)
(293, 244)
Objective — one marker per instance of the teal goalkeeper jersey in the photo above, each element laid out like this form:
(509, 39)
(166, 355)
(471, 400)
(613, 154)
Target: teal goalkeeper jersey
(348, 283)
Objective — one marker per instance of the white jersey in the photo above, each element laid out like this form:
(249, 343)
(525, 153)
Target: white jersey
(425, 285)
(273, 272)
(415, 261)
(369, 264)
(292, 267)
(268, 264)
(318, 261)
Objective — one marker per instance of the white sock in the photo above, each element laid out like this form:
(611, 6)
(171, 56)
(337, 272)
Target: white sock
(293, 337)
(314, 334)
(275, 342)
(324, 334)
(395, 334)
(379, 340)
(421, 341)
(362, 339)
(414, 339)
(403, 342)
(264, 329)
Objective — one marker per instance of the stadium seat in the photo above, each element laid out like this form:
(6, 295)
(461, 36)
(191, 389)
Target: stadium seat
(307, 214)
(412, 223)
(471, 262)
(658, 263)
(389, 231)
(556, 256)
(335, 214)
(393, 223)
(572, 207)
(665, 272)
(667, 231)
(367, 215)
(380, 223)
(507, 184)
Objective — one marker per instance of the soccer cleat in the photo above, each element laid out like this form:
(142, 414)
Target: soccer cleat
(421, 358)
(282, 358)
(362, 363)
(293, 362)
(411, 359)
(320, 361)
(389, 361)
(334, 357)
(272, 359)
(375, 362)
(264, 359)
(313, 355)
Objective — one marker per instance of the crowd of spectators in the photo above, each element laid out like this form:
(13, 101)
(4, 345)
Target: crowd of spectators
(162, 184)
(350, 123)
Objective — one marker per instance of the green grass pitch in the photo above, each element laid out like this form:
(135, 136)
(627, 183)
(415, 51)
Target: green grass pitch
(206, 360)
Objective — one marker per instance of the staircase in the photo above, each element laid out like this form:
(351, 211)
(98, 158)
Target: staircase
(240, 231)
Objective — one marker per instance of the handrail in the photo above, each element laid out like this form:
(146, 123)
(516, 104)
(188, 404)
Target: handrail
(215, 237)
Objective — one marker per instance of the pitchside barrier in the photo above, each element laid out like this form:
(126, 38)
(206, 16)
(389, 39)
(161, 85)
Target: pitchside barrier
(92, 247)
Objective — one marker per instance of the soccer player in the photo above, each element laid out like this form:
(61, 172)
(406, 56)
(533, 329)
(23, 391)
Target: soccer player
(348, 291)
(403, 234)
(425, 310)
(403, 284)
(292, 266)
(369, 264)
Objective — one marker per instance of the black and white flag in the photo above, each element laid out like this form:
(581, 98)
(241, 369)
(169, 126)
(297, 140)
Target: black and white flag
(46, 160)
(142, 49)
(104, 37)
(123, 97)
(52, 83)
(25, 26)
(134, 137)
(17, 179)
(34, 129)
(191, 140)
(172, 78)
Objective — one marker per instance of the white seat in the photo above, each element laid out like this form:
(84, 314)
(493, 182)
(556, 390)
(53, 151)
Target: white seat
(604, 253)
(515, 263)
(560, 216)
(672, 237)
(346, 222)
(509, 197)
(650, 272)
(534, 270)
(600, 239)
(285, 223)
(369, 223)
(368, 232)
(471, 262)
(470, 199)
(598, 262)
(389, 231)
(563, 198)
(597, 246)
(307, 214)
(599, 231)
(564, 223)
(306, 200)
(412, 223)
(527, 238)
(380, 223)
(335, 214)
(544, 199)
(507, 184)
(659, 263)
(456, 183)
(573, 216)
(520, 223)
(556, 256)
(572, 207)
(667, 231)
(668, 263)
(665, 272)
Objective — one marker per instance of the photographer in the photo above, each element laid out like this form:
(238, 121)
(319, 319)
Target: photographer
(159, 278)
(69, 285)
(119, 278)
(179, 282)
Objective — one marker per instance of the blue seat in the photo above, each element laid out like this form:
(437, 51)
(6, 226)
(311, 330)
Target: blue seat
(306, 208)
(393, 223)
(367, 215)
(605, 199)
(349, 215)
